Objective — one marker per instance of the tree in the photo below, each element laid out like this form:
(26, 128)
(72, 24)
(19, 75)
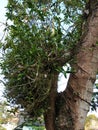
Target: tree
(1, 128)
(79, 90)
(38, 46)
(91, 122)
(4, 115)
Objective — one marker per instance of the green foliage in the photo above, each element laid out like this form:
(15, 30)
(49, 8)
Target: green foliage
(40, 41)
(5, 116)
(88, 122)
(36, 124)
(39, 128)
(90, 117)
(2, 128)
(97, 43)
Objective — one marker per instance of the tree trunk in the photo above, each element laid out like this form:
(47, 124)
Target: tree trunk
(49, 116)
(75, 101)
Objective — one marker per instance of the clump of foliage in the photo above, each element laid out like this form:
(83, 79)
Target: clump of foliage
(88, 123)
(40, 41)
(5, 116)
(2, 128)
(39, 128)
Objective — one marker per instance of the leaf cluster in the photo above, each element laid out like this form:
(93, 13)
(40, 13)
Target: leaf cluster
(39, 42)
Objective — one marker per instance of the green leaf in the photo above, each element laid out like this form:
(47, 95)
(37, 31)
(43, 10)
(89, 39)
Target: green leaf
(97, 43)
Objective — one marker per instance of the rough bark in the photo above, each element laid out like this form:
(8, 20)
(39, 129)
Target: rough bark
(76, 99)
(49, 116)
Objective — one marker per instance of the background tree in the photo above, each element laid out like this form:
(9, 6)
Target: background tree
(42, 38)
(4, 115)
(91, 122)
(1, 128)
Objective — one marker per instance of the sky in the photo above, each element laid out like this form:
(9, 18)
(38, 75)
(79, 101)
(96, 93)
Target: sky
(3, 3)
